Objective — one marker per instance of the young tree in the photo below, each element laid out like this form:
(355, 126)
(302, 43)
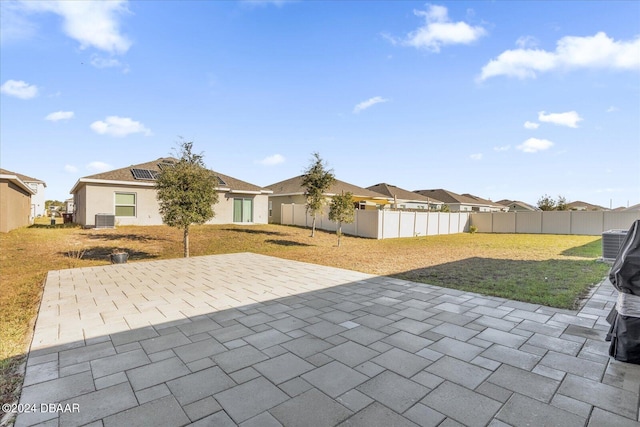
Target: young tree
(316, 180)
(342, 210)
(186, 192)
(546, 203)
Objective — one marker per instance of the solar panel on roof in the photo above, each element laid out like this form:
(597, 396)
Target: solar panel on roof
(147, 174)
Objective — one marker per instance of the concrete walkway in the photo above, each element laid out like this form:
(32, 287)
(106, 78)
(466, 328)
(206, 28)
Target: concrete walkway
(245, 339)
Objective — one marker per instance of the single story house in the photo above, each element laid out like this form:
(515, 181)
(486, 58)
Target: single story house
(129, 195)
(518, 206)
(290, 191)
(15, 201)
(462, 202)
(584, 206)
(405, 199)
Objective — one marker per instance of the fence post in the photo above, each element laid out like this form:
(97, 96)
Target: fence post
(426, 232)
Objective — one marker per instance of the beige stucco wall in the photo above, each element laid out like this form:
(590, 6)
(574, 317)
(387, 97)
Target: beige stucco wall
(277, 201)
(15, 206)
(224, 208)
(94, 199)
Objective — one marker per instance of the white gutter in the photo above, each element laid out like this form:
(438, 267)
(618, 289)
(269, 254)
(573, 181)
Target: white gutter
(18, 182)
(109, 182)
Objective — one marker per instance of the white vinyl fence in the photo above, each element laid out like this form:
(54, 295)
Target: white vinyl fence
(592, 223)
(382, 224)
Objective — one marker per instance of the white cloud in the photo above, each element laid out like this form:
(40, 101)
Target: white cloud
(570, 118)
(119, 127)
(502, 148)
(531, 125)
(368, 103)
(70, 168)
(612, 109)
(100, 62)
(99, 166)
(438, 30)
(533, 145)
(598, 51)
(276, 159)
(19, 89)
(92, 23)
(59, 115)
(526, 42)
(477, 156)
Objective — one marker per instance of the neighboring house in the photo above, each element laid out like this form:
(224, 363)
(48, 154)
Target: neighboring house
(518, 206)
(129, 194)
(462, 202)
(291, 191)
(405, 199)
(632, 208)
(15, 201)
(584, 206)
(37, 198)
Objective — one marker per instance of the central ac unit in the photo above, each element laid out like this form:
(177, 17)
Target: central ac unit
(105, 221)
(611, 242)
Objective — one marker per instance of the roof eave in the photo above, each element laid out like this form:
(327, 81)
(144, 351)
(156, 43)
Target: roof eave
(19, 182)
(85, 181)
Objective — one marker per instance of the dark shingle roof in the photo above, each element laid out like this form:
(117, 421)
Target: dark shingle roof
(392, 191)
(451, 197)
(126, 175)
(578, 204)
(23, 178)
(294, 186)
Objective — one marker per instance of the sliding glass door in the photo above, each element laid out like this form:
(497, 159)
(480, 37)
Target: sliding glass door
(242, 210)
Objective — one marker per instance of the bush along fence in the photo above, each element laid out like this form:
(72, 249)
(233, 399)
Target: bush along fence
(382, 224)
(592, 223)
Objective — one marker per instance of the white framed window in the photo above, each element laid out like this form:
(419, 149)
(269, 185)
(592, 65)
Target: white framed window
(125, 204)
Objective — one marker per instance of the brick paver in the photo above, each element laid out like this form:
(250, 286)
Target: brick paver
(246, 339)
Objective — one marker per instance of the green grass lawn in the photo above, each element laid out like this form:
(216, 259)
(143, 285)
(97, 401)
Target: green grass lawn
(542, 269)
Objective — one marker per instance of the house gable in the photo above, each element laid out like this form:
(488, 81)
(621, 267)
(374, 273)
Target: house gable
(461, 202)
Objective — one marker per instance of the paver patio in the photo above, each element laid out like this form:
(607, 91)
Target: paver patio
(251, 340)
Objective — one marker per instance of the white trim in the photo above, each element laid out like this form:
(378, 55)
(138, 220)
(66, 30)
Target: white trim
(109, 182)
(244, 192)
(19, 182)
(150, 184)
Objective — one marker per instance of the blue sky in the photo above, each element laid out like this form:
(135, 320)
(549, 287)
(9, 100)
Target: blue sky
(498, 99)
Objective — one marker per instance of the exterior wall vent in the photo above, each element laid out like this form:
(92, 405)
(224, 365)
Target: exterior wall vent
(611, 242)
(105, 221)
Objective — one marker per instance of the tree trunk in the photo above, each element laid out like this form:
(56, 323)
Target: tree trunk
(313, 226)
(185, 241)
(339, 233)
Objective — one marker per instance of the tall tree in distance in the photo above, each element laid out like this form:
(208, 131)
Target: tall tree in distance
(316, 180)
(561, 204)
(342, 211)
(186, 192)
(546, 203)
